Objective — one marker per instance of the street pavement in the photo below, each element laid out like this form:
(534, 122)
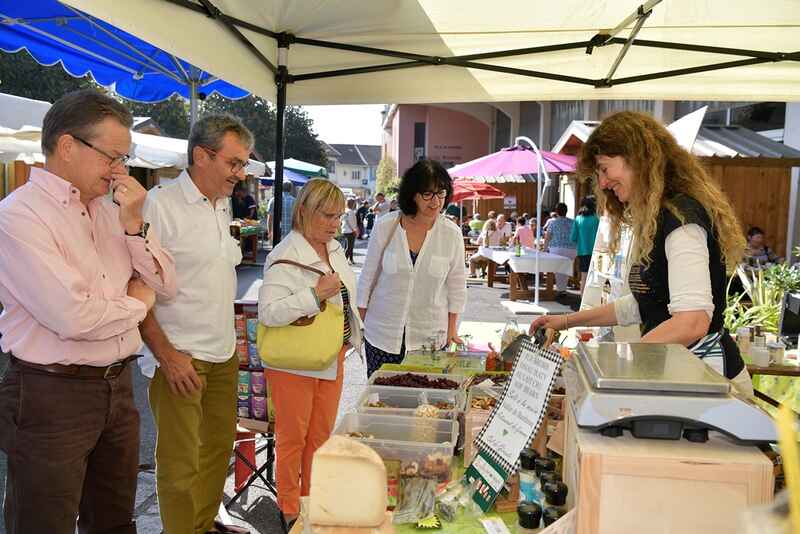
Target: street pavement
(484, 319)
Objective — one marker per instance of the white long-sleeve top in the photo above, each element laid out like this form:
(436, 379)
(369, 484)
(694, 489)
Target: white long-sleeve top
(286, 294)
(412, 297)
(688, 275)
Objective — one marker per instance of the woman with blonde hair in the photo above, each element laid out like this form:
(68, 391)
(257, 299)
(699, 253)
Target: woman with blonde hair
(306, 402)
(685, 239)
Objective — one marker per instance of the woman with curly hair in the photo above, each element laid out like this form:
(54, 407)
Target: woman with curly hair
(686, 237)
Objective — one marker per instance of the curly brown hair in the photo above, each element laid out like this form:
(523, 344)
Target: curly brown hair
(663, 169)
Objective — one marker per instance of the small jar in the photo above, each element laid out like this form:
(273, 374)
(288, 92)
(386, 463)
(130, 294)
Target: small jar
(776, 353)
(555, 495)
(743, 340)
(527, 475)
(529, 517)
(551, 515)
(557, 459)
(549, 476)
(541, 466)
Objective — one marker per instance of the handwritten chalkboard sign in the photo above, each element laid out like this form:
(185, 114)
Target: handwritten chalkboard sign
(514, 421)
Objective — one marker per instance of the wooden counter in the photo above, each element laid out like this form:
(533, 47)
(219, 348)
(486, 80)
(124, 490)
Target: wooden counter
(630, 486)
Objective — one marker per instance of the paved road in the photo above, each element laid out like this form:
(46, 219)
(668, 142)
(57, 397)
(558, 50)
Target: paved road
(484, 317)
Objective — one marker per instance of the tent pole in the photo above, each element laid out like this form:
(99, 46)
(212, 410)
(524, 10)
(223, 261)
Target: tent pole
(280, 81)
(192, 102)
(539, 171)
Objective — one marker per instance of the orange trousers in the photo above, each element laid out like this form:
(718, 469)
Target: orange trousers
(305, 412)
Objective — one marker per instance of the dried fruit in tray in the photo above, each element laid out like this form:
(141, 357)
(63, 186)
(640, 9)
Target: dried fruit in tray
(498, 379)
(483, 403)
(411, 380)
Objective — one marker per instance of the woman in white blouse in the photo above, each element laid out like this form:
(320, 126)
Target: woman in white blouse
(350, 229)
(413, 284)
(686, 236)
(306, 402)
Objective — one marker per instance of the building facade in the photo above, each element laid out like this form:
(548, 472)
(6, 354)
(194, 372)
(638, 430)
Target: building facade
(353, 167)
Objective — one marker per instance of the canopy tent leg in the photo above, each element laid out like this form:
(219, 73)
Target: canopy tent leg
(281, 78)
(192, 102)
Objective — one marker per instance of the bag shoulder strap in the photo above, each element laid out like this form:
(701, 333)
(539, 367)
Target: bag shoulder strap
(380, 259)
(298, 264)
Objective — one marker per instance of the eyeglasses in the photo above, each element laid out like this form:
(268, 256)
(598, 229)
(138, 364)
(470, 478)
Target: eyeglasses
(113, 161)
(236, 164)
(428, 195)
(332, 217)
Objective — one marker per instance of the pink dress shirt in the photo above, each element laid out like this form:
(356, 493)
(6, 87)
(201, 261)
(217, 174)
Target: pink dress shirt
(64, 271)
(525, 235)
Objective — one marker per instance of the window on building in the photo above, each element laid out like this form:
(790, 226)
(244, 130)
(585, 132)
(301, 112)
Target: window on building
(331, 166)
(356, 176)
(502, 130)
(419, 141)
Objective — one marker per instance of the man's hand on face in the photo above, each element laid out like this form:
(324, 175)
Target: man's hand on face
(130, 195)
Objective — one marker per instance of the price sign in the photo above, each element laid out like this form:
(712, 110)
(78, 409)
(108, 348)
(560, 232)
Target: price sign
(514, 421)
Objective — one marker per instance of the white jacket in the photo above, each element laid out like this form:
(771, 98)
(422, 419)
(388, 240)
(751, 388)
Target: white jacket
(418, 297)
(286, 294)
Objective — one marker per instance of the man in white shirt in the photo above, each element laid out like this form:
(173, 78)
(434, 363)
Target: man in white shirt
(192, 338)
(504, 228)
(381, 206)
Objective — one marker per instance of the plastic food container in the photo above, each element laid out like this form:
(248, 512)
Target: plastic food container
(458, 379)
(421, 446)
(387, 400)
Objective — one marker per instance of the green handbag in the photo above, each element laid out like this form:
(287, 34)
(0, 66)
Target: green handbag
(307, 344)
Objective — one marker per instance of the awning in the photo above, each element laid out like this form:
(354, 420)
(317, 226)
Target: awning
(288, 174)
(301, 167)
(426, 51)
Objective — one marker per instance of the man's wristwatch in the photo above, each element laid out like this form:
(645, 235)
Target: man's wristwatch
(142, 233)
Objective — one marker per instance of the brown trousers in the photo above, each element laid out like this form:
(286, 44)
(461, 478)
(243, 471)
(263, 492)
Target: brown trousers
(73, 452)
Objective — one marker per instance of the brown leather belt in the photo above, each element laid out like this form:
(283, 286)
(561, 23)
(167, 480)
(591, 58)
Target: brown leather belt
(79, 371)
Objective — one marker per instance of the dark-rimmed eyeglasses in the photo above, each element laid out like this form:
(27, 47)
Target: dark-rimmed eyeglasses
(236, 164)
(113, 161)
(428, 195)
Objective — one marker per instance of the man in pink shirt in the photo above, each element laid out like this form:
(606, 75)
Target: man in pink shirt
(78, 273)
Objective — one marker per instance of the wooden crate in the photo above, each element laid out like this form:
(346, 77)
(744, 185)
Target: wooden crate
(630, 486)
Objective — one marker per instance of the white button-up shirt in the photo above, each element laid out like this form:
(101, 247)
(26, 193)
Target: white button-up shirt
(286, 294)
(199, 320)
(415, 297)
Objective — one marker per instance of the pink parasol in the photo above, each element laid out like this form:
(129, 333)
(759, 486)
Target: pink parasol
(464, 189)
(514, 160)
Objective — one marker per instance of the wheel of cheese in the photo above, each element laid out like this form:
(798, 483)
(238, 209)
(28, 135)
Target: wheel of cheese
(348, 485)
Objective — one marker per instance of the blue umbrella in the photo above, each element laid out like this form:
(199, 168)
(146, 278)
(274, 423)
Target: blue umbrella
(53, 32)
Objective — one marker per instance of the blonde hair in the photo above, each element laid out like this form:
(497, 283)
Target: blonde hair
(663, 169)
(318, 194)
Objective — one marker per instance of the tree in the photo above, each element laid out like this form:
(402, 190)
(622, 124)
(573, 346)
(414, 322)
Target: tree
(386, 176)
(258, 115)
(21, 75)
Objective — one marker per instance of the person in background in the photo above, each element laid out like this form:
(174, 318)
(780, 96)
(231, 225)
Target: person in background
(490, 237)
(551, 217)
(381, 206)
(686, 234)
(393, 205)
(191, 339)
(349, 229)
(361, 215)
(476, 224)
(79, 271)
(287, 207)
(524, 233)
(306, 402)
(243, 204)
(504, 227)
(412, 287)
(557, 240)
(757, 253)
(584, 231)
(370, 221)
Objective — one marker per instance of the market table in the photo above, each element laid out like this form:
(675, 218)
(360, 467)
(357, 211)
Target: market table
(247, 234)
(524, 265)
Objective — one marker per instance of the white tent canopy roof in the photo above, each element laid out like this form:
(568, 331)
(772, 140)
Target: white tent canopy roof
(433, 28)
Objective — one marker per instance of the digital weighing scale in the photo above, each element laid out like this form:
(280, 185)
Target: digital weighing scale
(660, 392)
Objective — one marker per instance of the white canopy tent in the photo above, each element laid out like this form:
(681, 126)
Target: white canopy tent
(426, 51)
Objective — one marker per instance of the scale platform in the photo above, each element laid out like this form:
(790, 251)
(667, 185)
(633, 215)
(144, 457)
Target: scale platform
(659, 392)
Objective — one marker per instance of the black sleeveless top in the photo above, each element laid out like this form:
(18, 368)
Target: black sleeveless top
(650, 285)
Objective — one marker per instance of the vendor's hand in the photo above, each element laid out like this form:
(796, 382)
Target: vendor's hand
(556, 322)
(130, 195)
(140, 291)
(179, 372)
(453, 338)
(328, 286)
